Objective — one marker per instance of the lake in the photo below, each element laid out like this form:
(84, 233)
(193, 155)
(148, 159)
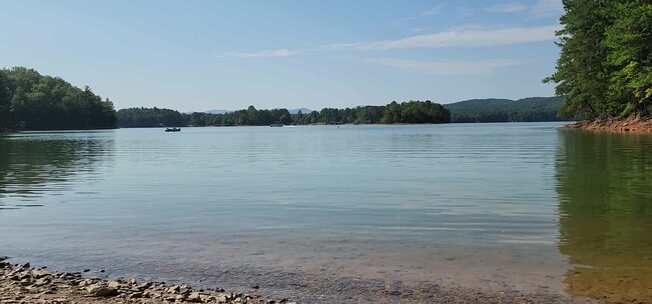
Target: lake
(355, 214)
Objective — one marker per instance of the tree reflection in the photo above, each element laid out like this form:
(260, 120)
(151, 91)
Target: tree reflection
(605, 206)
(32, 164)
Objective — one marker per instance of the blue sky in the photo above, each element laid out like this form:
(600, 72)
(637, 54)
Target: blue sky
(200, 55)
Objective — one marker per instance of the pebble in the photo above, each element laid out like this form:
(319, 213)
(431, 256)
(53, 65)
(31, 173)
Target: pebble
(24, 284)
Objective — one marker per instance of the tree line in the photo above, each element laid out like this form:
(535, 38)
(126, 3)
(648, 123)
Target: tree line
(31, 101)
(405, 112)
(605, 66)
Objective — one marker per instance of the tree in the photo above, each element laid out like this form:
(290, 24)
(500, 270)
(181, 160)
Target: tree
(630, 42)
(582, 71)
(155, 117)
(6, 120)
(605, 66)
(39, 102)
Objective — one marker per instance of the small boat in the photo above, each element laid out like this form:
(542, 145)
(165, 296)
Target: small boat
(173, 130)
(276, 125)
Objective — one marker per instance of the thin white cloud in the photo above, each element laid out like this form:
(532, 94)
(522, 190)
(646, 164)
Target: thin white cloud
(446, 67)
(470, 37)
(542, 8)
(511, 7)
(547, 8)
(434, 10)
(264, 54)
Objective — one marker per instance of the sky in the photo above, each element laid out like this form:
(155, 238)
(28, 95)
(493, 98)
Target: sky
(200, 55)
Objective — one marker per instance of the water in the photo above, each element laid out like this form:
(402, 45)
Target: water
(344, 212)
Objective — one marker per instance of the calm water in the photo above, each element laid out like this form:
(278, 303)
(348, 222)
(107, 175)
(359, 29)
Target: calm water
(333, 210)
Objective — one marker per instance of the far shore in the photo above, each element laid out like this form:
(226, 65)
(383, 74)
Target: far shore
(10, 131)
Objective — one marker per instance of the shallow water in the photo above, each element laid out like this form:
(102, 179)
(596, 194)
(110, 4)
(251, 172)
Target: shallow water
(338, 213)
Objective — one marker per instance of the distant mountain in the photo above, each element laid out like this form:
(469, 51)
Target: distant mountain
(506, 110)
(216, 111)
(303, 110)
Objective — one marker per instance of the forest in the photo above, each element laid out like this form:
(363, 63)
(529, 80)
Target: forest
(31, 101)
(605, 66)
(150, 117)
(405, 112)
(475, 110)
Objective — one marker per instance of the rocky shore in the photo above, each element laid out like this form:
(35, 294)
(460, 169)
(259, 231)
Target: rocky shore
(633, 124)
(26, 284)
(23, 284)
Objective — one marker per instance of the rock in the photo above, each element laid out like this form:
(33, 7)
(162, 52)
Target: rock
(207, 298)
(114, 285)
(135, 295)
(194, 297)
(41, 282)
(25, 284)
(70, 275)
(222, 297)
(98, 290)
(185, 289)
(174, 289)
(144, 286)
(394, 293)
(149, 294)
(37, 274)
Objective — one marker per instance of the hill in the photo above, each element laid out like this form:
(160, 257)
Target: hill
(507, 110)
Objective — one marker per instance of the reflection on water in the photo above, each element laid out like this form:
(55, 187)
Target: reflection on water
(46, 163)
(605, 192)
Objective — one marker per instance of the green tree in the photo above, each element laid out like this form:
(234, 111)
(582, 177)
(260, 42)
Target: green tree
(582, 74)
(156, 117)
(605, 66)
(39, 102)
(6, 120)
(630, 42)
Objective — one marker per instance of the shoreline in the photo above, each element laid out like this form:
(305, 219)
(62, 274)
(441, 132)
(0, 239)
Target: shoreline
(630, 125)
(27, 284)
(24, 283)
